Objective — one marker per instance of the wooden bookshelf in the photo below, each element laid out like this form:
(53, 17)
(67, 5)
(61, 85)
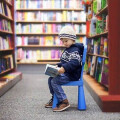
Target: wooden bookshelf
(103, 56)
(108, 98)
(5, 32)
(52, 9)
(5, 17)
(105, 10)
(45, 60)
(38, 61)
(34, 63)
(38, 34)
(50, 23)
(8, 71)
(98, 35)
(41, 46)
(6, 49)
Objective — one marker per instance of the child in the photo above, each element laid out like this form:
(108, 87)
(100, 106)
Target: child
(70, 68)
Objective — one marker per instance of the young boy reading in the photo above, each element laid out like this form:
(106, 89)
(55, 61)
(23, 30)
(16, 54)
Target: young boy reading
(70, 68)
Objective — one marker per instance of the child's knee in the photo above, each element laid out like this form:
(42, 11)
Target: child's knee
(49, 79)
(53, 82)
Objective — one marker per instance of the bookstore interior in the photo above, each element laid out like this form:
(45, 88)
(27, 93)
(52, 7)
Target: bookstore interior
(29, 35)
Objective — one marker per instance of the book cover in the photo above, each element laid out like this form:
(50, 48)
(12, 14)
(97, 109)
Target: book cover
(89, 62)
(92, 71)
(95, 47)
(51, 70)
(105, 68)
(98, 69)
(93, 26)
(103, 3)
(95, 6)
(99, 26)
(102, 46)
(105, 47)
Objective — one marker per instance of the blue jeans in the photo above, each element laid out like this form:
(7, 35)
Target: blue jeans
(55, 86)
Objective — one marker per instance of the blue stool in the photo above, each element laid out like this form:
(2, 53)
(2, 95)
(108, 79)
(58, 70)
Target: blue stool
(79, 83)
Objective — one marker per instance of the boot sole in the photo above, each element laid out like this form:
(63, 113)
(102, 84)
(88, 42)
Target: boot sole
(48, 106)
(62, 109)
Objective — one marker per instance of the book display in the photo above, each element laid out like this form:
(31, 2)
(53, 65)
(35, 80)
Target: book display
(37, 28)
(102, 64)
(8, 74)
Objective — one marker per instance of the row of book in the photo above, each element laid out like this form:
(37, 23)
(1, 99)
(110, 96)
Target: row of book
(49, 4)
(38, 54)
(5, 10)
(98, 68)
(52, 16)
(6, 62)
(97, 25)
(98, 5)
(98, 46)
(5, 42)
(5, 25)
(47, 28)
(43, 40)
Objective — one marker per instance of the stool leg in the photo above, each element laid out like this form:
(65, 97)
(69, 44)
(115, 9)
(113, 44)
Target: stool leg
(81, 98)
(55, 101)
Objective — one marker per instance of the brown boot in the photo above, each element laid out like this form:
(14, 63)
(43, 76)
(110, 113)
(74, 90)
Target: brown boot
(62, 106)
(49, 104)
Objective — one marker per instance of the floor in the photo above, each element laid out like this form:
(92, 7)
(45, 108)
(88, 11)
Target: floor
(25, 101)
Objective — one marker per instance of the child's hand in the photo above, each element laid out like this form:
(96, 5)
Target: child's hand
(56, 66)
(61, 70)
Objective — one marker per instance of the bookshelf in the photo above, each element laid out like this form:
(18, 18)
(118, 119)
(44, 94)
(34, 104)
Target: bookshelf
(107, 97)
(50, 16)
(8, 74)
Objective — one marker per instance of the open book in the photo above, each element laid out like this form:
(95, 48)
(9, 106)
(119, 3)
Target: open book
(51, 70)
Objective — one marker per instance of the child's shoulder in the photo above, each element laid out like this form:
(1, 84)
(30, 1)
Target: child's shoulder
(78, 46)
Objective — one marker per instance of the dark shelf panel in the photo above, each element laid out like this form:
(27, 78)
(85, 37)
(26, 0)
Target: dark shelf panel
(8, 70)
(6, 50)
(104, 10)
(103, 56)
(5, 17)
(5, 32)
(98, 35)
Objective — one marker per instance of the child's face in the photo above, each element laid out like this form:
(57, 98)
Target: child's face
(67, 42)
